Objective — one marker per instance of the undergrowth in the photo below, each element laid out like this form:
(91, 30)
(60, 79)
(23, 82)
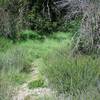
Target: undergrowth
(68, 74)
(16, 59)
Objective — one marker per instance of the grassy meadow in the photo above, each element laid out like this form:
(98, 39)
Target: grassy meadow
(49, 49)
(76, 77)
(16, 58)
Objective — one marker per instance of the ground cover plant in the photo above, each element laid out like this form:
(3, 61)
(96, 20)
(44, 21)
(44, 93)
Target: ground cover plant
(71, 74)
(16, 59)
(49, 50)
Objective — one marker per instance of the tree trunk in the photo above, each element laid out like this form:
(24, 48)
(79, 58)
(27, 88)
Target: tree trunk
(89, 39)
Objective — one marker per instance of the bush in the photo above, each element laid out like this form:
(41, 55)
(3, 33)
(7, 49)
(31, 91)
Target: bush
(71, 25)
(71, 74)
(41, 25)
(28, 34)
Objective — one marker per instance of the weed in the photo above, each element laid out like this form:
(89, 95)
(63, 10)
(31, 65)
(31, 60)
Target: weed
(70, 74)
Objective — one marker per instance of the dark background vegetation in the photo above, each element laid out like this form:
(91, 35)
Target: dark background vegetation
(60, 39)
(42, 16)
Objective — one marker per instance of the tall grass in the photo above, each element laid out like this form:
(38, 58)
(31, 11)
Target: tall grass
(13, 61)
(6, 89)
(83, 96)
(16, 59)
(71, 74)
(5, 44)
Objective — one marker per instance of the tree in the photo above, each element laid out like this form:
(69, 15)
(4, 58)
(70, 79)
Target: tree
(12, 17)
(89, 39)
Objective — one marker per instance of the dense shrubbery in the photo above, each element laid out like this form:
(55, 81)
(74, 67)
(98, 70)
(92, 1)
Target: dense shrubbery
(42, 26)
(71, 26)
(28, 34)
(42, 17)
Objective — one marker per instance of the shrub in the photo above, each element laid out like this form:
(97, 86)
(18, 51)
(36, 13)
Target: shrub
(71, 74)
(71, 25)
(41, 25)
(28, 34)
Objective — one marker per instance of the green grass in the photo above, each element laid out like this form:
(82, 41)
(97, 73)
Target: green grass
(70, 74)
(28, 34)
(16, 59)
(18, 79)
(5, 44)
(83, 96)
(21, 54)
(64, 73)
(36, 84)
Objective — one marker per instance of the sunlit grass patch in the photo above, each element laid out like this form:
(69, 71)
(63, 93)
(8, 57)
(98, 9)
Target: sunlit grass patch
(36, 84)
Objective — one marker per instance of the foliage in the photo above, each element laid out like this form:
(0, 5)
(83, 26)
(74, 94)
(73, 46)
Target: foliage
(41, 16)
(90, 96)
(71, 26)
(12, 17)
(37, 19)
(14, 59)
(18, 78)
(70, 74)
(5, 44)
(6, 89)
(41, 25)
(46, 27)
(28, 34)
(21, 54)
(36, 84)
(88, 41)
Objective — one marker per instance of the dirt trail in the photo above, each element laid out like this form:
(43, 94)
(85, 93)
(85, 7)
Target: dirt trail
(24, 93)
